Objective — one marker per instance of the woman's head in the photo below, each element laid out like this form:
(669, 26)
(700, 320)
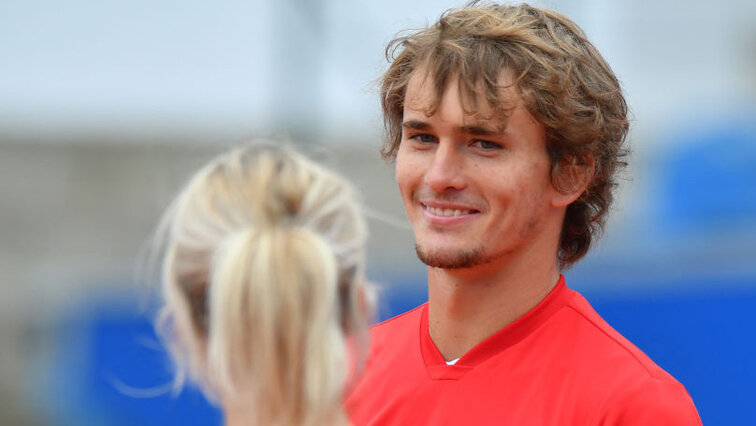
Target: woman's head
(263, 278)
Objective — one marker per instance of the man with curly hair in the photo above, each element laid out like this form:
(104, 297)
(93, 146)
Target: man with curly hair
(507, 128)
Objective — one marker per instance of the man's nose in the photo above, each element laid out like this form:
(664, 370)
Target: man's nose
(446, 170)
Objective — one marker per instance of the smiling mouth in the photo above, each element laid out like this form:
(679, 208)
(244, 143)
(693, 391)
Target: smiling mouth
(448, 212)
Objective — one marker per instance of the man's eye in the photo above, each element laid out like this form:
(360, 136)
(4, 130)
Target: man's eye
(424, 138)
(487, 145)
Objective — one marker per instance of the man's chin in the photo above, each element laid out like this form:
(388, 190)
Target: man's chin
(459, 259)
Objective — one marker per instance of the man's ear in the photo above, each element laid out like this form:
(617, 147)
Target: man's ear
(570, 178)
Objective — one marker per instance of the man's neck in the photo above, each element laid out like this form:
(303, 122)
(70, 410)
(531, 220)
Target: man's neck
(468, 305)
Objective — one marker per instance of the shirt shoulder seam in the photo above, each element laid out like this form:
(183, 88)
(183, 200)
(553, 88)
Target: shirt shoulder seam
(646, 368)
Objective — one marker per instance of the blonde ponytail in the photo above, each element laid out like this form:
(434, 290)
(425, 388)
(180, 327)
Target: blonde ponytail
(262, 277)
(274, 316)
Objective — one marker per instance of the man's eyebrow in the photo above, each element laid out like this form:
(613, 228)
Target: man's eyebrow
(473, 129)
(480, 130)
(416, 125)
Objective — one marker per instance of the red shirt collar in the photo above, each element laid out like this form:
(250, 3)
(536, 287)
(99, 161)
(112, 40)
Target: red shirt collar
(437, 368)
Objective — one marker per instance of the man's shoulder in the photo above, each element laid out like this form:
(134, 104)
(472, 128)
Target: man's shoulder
(630, 386)
(394, 344)
(656, 400)
(602, 341)
(396, 332)
(402, 321)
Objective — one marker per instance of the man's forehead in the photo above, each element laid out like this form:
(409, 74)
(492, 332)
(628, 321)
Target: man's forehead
(421, 95)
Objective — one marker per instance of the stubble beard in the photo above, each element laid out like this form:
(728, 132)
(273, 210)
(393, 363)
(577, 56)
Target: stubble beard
(462, 259)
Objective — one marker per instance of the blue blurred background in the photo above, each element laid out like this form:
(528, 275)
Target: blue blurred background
(107, 106)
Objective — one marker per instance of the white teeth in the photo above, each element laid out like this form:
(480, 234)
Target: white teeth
(447, 212)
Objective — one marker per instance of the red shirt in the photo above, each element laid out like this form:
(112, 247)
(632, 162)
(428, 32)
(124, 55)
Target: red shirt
(559, 364)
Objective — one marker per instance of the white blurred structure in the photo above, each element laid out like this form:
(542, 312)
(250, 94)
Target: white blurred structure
(173, 70)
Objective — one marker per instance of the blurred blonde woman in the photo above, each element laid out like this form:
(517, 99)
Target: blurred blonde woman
(262, 279)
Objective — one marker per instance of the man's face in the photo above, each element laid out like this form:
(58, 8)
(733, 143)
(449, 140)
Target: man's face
(475, 190)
